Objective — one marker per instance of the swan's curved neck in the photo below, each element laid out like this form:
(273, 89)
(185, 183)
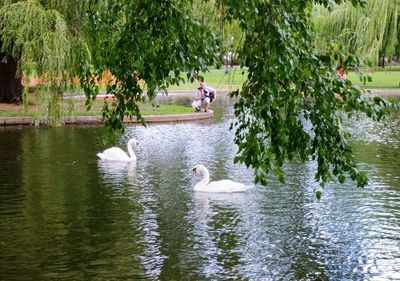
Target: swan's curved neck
(206, 177)
(130, 151)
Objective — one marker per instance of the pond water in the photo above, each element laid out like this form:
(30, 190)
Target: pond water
(65, 215)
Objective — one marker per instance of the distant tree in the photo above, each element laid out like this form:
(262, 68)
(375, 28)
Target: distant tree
(10, 83)
(36, 35)
(368, 32)
(213, 13)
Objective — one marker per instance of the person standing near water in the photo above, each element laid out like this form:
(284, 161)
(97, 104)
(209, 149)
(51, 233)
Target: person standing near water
(203, 97)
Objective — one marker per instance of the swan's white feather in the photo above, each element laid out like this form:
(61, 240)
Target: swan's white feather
(222, 186)
(116, 153)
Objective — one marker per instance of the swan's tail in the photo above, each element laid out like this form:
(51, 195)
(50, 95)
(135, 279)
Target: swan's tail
(102, 156)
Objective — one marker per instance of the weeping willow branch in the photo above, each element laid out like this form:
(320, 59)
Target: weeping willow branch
(39, 36)
(367, 32)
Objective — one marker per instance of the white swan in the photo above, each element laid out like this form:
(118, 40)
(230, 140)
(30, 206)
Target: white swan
(226, 186)
(117, 154)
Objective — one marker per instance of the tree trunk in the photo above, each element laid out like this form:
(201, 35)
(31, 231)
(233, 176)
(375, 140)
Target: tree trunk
(10, 85)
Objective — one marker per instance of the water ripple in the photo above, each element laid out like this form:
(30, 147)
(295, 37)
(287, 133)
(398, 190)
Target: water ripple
(66, 215)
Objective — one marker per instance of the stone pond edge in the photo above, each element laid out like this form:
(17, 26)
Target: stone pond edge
(78, 120)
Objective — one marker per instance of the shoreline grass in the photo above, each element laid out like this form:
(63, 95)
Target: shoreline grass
(77, 108)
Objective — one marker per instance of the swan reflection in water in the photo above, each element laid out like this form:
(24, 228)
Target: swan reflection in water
(118, 172)
(205, 199)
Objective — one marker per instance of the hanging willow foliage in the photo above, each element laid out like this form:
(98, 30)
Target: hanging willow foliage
(367, 32)
(36, 35)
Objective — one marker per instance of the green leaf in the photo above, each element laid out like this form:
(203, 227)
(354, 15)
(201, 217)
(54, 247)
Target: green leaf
(318, 195)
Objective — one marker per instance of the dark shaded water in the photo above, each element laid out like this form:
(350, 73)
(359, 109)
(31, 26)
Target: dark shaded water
(64, 215)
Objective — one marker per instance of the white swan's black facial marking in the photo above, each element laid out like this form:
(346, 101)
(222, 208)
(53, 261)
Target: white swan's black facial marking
(135, 144)
(194, 171)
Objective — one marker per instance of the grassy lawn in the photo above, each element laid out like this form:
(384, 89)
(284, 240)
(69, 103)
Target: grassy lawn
(380, 79)
(389, 78)
(79, 109)
(218, 79)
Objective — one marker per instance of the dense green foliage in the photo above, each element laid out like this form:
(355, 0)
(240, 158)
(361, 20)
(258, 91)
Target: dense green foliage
(146, 44)
(272, 125)
(144, 41)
